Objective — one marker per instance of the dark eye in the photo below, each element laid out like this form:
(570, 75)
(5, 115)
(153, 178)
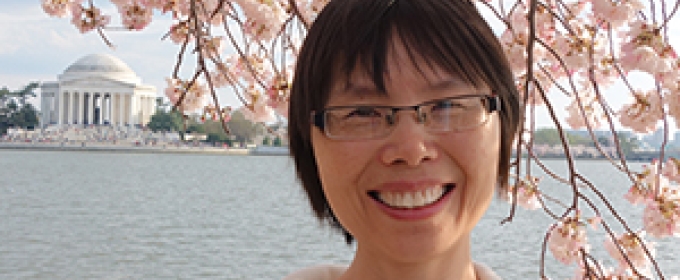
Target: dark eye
(447, 104)
(364, 112)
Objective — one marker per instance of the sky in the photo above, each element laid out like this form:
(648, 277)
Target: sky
(37, 47)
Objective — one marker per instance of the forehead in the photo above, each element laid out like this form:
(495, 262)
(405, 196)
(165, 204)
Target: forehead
(402, 65)
(401, 54)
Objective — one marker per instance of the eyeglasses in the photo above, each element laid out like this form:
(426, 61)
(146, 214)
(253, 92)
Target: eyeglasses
(457, 113)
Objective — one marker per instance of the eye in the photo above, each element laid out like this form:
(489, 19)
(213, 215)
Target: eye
(448, 104)
(365, 112)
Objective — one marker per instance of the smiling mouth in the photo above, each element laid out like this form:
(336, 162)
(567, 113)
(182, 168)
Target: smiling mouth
(413, 199)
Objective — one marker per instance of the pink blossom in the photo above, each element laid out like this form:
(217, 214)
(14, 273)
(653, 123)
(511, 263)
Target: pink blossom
(264, 18)
(258, 112)
(632, 247)
(212, 46)
(636, 194)
(278, 98)
(660, 223)
(604, 272)
(517, 57)
(662, 213)
(566, 240)
(86, 19)
(527, 193)
(617, 13)
(643, 58)
(135, 16)
(643, 115)
(671, 170)
(215, 114)
(193, 99)
(59, 8)
(179, 32)
(672, 99)
(585, 110)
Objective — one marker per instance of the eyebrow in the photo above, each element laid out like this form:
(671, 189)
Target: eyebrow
(447, 84)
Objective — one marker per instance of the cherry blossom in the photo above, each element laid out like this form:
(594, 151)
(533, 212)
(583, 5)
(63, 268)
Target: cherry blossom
(671, 170)
(135, 16)
(567, 239)
(585, 110)
(636, 194)
(265, 18)
(662, 214)
(194, 95)
(179, 32)
(86, 19)
(642, 115)
(672, 100)
(617, 13)
(631, 245)
(59, 8)
(527, 193)
(256, 109)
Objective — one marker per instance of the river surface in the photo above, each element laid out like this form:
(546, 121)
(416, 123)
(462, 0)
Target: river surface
(92, 215)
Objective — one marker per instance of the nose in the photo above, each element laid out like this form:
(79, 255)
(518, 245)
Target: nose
(409, 143)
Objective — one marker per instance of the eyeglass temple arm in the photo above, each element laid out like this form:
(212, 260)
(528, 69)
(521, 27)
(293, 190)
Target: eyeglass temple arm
(317, 119)
(494, 102)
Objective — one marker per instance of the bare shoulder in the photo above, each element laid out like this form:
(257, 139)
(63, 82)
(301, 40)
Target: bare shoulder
(485, 273)
(319, 272)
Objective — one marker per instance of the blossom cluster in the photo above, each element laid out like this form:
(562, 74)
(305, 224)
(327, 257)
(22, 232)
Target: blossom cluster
(527, 193)
(593, 44)
(657, 189)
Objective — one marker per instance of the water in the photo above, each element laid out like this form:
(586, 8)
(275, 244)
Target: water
(88, 215)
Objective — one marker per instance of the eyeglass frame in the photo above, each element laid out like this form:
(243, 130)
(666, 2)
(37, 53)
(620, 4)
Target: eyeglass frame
(317, 118)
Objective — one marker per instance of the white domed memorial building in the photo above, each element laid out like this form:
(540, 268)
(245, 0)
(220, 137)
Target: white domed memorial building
(98, 89)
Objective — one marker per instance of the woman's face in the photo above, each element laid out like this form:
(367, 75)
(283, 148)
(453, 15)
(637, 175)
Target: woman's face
(368, 183)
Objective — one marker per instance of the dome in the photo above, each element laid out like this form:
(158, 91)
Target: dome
(101, 65)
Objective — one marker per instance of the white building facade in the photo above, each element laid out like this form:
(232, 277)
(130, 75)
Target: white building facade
(98, 89)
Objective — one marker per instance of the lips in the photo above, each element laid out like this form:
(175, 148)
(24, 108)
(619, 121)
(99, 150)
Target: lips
(412, 199)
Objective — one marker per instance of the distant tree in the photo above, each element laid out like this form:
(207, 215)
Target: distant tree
(14, 109)
(165, 121)
(277, 142)
(550, 136)
(604, 141)
(25, 117)
(628, 143)
(244, 130)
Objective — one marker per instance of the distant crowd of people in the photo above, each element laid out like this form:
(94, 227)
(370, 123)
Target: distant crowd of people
(104, 135)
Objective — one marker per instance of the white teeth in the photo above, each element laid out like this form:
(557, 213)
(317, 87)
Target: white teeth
(412, 199)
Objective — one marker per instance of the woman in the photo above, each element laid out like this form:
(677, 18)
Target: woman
(402, 117)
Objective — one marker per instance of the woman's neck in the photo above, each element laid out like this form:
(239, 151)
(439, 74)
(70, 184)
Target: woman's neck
(454, 263)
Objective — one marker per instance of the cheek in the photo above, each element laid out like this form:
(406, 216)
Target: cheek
(339, 163)
(479, 156)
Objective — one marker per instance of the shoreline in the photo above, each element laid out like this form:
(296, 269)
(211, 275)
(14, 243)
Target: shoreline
(89, 147)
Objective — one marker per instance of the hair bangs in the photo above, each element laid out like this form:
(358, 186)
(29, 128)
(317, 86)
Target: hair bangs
(429, 34)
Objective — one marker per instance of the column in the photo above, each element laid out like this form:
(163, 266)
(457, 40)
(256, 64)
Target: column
(69, 103)
(142, 108)
(43, 105)
(60, 111)
(114, 118)
(100, 120)
(132, 120)
(81, 108)
(107, 108)
(90, 112)
(121, 105)
(103, 110)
